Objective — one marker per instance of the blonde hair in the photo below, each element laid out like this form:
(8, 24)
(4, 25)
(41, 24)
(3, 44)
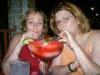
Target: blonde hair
(35, 10)
(65, 5)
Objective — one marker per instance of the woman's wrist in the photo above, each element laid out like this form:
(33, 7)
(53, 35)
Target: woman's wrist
(21, 43)
(72, 67)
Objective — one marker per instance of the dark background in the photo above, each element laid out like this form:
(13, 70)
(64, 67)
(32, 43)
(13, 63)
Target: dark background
(85, 5)
(3, 21)
(48, 5)
(3, 14)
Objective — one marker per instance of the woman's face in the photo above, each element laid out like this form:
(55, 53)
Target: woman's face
(66, 21)
(35, 23)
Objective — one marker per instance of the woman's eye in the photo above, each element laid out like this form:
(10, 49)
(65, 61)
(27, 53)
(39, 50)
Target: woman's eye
(30, 22)
(65, 19)
(40, 23)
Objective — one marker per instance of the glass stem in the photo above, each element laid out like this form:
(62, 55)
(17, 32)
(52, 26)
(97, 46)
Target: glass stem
(46, 68)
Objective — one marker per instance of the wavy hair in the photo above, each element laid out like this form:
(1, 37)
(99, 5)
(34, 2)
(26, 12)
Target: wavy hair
(74, 10)
(35, 10)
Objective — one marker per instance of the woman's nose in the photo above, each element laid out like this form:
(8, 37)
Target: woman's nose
(35, 25)
(62, 27)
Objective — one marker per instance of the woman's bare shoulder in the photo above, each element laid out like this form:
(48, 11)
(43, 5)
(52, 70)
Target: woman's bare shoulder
(96, 47)
(16, 38)
(96, 30)
(96, 36)
(97, 33)
(14, 41)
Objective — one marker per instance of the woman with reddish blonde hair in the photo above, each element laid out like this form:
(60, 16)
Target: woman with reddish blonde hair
(81, 54)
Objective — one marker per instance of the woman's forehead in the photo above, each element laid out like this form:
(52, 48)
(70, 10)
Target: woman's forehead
(35, 15)
(63, 13)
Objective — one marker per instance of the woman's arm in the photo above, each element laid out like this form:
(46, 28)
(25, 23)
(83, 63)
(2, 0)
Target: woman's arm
(12, 54)
(64, 69)
(89, 67)
(15, 48)
(58, 69)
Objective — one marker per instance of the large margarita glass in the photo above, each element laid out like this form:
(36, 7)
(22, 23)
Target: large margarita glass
(46, 50)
